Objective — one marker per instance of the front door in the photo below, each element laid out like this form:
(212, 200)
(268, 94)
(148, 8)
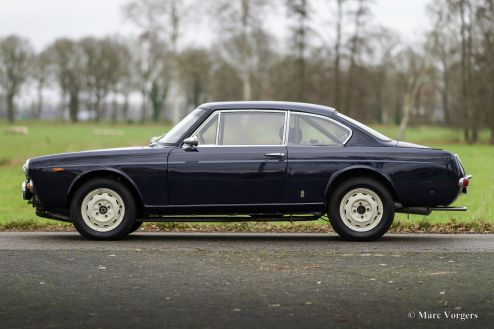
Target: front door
(240, 162)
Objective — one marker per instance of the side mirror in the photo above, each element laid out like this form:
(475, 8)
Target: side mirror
(190, 143)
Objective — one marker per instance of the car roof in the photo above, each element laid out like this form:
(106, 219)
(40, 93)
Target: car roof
(270, 105)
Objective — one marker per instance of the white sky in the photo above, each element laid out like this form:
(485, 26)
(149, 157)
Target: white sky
(42, 21)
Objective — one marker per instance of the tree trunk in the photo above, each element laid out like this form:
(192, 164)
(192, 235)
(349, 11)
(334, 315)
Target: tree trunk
(246, 87)
(126, 108)
(10, 108)
(413, 87)
(143, 105)
(175, 85)
(407, 109)
(97, 108)
(475, 111)
(74, 106)
(63, 105)
(464, 73)
(337, 58)
(353, 60)
(445, 93)
(246, 53)
(114, 110)
(39, 103)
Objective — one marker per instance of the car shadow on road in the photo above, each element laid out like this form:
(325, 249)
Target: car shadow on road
(269, 237)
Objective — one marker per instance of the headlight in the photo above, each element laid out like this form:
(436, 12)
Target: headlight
(25, 167)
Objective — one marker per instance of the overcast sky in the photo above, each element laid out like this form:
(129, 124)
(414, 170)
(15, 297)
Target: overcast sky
(42, 21)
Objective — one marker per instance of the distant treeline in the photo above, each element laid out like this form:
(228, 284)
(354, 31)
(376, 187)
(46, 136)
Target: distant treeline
(349, 62)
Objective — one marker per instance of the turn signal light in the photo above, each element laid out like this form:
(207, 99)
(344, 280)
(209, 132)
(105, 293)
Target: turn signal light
(57, 169)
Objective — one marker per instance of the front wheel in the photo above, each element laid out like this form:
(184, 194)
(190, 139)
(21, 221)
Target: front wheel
(103, 209)
(361, 209)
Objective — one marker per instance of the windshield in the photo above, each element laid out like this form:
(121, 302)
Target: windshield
(181, 128)
(364, 127)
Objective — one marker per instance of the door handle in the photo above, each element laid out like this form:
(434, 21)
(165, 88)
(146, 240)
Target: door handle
(275, 155)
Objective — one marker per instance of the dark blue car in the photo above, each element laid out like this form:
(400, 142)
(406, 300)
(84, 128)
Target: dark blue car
(240, 161)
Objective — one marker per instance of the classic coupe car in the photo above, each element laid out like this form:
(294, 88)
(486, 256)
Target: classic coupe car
(240, 161)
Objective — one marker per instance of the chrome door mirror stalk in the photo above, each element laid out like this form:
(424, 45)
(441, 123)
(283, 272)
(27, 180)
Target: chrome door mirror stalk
(154, 140)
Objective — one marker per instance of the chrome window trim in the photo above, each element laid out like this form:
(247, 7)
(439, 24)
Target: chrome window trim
(287, 128)
(286, 131)
(217, 130)
(205, 123)
(220, 113)
(328, 119)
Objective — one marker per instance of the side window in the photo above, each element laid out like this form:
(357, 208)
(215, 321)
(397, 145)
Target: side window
(207, 133)
(313, 130)
(251, 128)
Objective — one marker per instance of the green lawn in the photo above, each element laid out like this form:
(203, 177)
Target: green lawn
(51, 137)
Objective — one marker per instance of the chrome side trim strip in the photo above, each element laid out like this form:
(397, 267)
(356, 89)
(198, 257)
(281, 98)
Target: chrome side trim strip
(448, 208)
(236, 205)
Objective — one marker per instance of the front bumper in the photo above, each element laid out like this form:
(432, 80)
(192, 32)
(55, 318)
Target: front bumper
(27, 193)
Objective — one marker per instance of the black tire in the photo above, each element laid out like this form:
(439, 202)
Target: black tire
(127, 222)
(344, 227)
(136, 226)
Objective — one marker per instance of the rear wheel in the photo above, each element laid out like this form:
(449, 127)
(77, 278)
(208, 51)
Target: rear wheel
(361, 209)
(103, 209)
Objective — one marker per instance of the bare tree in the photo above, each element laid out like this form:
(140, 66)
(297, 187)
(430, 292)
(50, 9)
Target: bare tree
(485, 23)
(465, 12)
(125, 82)
(337, 53)
(241, 24)
(414, 67)
(163, 19)
(196, 74)
(299, 10)
(443, 51)
(66, 64)
(15, 59)
(40, 75)
(101, 65)
(357, 40)
(148, 67)
(381, 63)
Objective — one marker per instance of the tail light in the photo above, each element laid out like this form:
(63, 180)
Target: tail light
(463, 182)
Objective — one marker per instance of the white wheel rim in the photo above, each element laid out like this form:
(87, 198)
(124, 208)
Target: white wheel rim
(361, 209)
(102, 209)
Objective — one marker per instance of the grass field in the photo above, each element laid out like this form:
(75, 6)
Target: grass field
(52, 137)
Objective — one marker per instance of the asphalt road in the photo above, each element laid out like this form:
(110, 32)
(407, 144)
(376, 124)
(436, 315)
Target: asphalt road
(194, 280)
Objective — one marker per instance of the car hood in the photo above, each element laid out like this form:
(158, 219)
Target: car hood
(121, 154)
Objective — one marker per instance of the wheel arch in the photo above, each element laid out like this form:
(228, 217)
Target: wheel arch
(107, 173)
(360, 171)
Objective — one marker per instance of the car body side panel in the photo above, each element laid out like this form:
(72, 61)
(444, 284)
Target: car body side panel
(419, 178)
(226, 175)
(145, 168)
